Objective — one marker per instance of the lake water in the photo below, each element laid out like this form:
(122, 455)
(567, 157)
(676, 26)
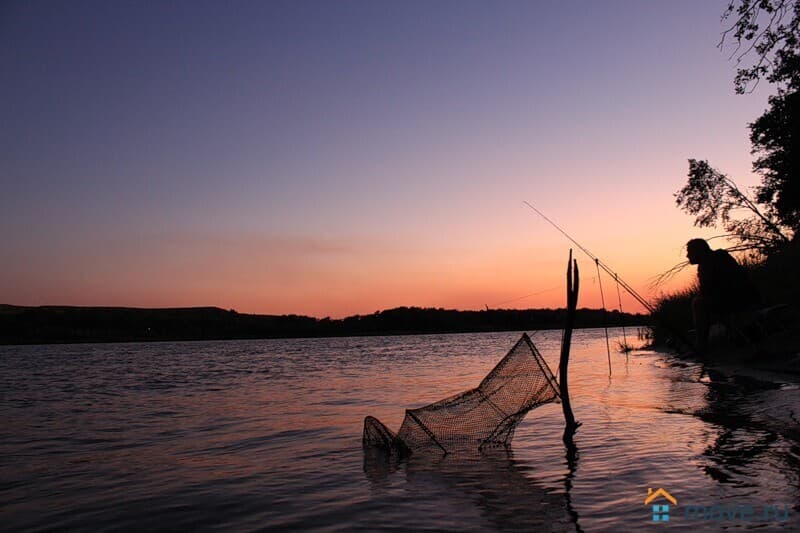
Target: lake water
(266, 434)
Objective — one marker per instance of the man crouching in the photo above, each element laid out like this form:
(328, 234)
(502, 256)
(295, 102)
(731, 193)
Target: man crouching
(725, 288)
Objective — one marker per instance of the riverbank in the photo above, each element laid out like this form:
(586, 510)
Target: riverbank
(61, 324)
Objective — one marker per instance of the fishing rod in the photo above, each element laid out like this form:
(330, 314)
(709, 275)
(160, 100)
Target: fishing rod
(639, 298)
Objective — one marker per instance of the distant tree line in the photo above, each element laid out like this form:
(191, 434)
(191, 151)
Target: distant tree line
(38, 325)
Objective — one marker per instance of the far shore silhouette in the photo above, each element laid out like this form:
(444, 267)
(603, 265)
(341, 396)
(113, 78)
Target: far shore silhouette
(65, 324)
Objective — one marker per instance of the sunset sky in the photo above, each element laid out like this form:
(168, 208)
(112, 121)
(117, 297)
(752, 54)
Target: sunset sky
(337, 158)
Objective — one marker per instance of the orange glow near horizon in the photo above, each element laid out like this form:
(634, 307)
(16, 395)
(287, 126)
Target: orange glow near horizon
(348, 172)
(321, 280)
(506, 258)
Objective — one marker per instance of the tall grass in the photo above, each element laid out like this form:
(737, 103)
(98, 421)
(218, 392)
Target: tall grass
(777, 279)
(673, 316)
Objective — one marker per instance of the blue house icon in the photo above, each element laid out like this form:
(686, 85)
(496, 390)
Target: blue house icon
(660, 513)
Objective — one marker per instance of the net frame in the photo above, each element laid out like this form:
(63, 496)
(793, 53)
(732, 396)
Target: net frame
(486, 415)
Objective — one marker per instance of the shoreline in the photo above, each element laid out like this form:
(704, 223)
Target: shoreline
(77, 325)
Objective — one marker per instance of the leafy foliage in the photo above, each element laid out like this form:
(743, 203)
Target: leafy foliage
(714, 199)
(775, 137)
(770, 31)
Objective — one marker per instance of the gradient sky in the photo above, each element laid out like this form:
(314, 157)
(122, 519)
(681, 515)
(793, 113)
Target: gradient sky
(334, 158)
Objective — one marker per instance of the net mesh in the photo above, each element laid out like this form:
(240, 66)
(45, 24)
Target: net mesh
(484, 416)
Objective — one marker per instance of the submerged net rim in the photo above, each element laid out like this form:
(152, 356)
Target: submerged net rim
(486, 415)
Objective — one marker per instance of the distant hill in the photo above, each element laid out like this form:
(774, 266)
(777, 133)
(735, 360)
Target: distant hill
(63, 324)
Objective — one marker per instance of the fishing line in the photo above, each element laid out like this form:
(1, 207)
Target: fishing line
(526, 296)
(676, 330)
(639, 298)
(622, 316)
(605, 318)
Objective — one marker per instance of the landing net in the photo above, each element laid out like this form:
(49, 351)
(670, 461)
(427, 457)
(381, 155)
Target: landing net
(484, 416)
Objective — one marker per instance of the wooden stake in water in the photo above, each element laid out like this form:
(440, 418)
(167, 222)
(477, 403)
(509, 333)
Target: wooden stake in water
(573, 282)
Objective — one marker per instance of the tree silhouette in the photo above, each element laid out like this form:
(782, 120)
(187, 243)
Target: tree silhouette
(712, 197)
(766, 30)
(769, 31)
(775, 137)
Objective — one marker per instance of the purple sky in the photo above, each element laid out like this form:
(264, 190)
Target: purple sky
(331, 158)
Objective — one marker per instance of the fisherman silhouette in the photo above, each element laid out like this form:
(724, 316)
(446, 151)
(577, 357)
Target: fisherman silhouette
(725, 288)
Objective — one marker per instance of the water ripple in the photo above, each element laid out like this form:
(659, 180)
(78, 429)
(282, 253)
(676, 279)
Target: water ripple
(265, 434)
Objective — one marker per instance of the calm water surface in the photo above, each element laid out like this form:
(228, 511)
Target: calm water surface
(266, 434)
